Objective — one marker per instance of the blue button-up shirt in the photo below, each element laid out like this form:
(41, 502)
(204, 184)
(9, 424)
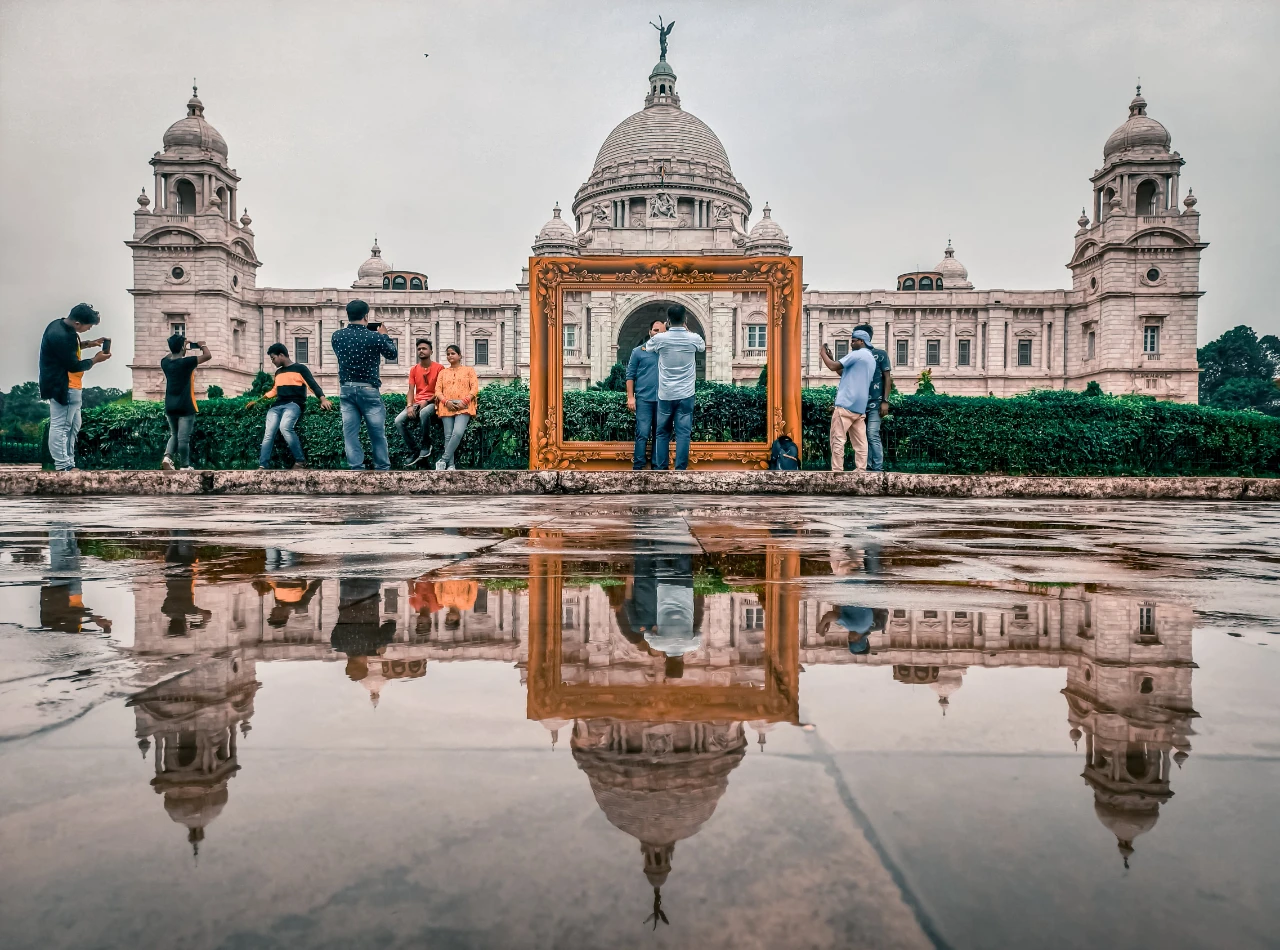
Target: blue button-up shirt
(642, 370)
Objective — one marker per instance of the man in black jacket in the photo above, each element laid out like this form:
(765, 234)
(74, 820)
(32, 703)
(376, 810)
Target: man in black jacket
(61, 379)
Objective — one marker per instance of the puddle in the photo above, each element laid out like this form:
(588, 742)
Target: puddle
(750, 723)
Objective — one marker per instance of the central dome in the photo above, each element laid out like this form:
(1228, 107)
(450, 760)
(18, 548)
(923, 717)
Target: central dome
(662, 132)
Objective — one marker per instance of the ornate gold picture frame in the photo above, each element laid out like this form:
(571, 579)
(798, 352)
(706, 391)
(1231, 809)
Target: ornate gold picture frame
(550, 277)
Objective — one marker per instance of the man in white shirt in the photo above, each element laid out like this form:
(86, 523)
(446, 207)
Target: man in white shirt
(677, 351)
(849, 418)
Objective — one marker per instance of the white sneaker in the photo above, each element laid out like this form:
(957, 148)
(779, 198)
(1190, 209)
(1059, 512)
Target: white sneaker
(453, 468)
(166, 464)
(440, 466)
(188, 468)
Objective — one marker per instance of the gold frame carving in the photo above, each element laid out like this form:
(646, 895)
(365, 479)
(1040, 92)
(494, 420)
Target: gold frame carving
(779, 701)
(549, 277)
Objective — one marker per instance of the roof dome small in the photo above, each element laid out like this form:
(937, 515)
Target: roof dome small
(1139, 131)
(955, 274)
(556, 237)
(193, 133)
(375, 266)
(767, 237)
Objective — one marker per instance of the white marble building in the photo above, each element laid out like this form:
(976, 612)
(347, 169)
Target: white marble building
(662, 184)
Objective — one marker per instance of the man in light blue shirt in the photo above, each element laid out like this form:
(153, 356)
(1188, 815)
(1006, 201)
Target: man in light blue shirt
(677, 351)
(857, 368)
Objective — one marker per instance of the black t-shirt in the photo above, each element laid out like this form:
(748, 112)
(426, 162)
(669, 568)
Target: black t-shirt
(179, 388)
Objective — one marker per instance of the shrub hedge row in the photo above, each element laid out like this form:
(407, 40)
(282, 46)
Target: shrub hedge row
(1044, 432)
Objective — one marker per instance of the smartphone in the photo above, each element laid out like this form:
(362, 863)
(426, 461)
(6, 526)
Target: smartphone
(106, 345)
(375, 327)
(193, 346)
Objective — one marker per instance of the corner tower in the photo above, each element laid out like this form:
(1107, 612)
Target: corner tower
(194, 264)
(1136, 269)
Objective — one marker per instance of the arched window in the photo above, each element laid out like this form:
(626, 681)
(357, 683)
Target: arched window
(415, 283)
(909, 284)
(663, 88)
(186, 193)
(1147, 197)
(926, 283)
(386, 283)
(1107, 195)
(937, 284)
(397, 283)
(226, 206)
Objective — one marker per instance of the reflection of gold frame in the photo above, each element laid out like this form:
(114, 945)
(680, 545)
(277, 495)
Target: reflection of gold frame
(549, 277)
(778, 701)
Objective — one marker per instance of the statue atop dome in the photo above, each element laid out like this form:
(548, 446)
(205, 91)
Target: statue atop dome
(663, 33)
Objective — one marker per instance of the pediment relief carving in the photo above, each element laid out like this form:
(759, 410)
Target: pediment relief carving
(935, 331)
(902, 331)
(964, 331)
(481, 331)
(1024, 333)
(300, 330)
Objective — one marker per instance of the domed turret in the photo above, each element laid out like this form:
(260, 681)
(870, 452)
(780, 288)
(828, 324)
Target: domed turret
(371, 271)
(955, 276)
(1139, 132)
(556, 237)
(767, 237)
(193, 136)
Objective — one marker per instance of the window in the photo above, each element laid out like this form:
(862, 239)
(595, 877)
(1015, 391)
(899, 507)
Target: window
(842, 349)
(902, 352)
(933, 352)
(1146, 203)
(235, 281)
(180, 328)
(926, 283)
(386, 283)
(235, 341)
(570, 336)
(1150, 340)
(962, 352)
(481, 353)
(1024, 352)
(909, 284)
(1088, 349)
(177, 273)
(186, 194)
(1147, 622)
(1153, 274)
(755, 336)
(753, 618)
(961, 615)
(397, 283)
(415, 283)
(302, 349)
(937, 284)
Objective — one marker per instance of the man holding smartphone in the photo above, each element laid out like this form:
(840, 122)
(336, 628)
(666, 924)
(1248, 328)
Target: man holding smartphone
(360, 347)
(62, 378)
(180, 400)
(849, 417)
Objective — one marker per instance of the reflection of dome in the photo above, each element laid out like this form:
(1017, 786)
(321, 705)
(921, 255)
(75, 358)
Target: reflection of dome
(658, 782)
(1139, 131)
(949, 680)
(193, 133)
(955, 274)
(1126, 818)
(195, 807)
(767, 237)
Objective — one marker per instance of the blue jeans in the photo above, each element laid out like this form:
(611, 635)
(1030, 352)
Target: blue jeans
(646, 422)
(178, 448)
(281, 418)
(875, 448)
(454, 427)
(677, 414)
(64, 429)
(416, 441)
(364, 401)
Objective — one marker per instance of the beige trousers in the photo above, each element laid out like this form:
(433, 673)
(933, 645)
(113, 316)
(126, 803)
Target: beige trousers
(853, 426)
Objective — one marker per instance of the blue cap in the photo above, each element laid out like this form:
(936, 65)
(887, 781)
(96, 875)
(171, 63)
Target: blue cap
(862, 335)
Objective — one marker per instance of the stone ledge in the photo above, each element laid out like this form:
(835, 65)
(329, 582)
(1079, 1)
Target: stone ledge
(323, 482)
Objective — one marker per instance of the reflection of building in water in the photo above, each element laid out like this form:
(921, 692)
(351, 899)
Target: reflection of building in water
(1128, 663)
(658, 781)
(192, 719)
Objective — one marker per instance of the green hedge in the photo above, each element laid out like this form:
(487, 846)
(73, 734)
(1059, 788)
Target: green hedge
(1040, 433)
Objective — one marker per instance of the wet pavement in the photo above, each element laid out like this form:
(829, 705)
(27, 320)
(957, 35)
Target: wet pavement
(638, 722)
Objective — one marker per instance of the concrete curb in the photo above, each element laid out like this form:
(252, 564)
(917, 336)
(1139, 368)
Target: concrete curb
(323, 482)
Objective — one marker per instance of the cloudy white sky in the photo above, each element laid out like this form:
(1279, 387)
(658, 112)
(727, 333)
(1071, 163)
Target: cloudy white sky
(875, 131)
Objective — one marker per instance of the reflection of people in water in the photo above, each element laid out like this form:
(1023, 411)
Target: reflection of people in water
(662, 609)
(357, 632)
(848, 561)
(62, 598)
(180, 587)
(860, 622)
(291, 595)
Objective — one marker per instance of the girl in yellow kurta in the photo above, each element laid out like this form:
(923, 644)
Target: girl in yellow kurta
(456, 391)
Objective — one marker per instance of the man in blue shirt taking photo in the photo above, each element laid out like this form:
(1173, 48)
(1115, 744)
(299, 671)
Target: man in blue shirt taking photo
(849, 417)
(677, 351)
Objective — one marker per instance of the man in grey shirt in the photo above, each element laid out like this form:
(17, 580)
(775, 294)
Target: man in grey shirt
(642, 394)
(677, 351)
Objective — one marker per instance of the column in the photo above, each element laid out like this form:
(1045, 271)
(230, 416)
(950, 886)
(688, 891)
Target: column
(1046, 322)
(720, 363)
(157, 196)
(917, 358)
(600, 311)
(951, 340)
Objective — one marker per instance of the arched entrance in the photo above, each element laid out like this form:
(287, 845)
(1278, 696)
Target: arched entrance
(635, 330)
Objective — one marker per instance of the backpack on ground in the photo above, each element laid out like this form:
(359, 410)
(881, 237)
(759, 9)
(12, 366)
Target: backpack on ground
(784, 455)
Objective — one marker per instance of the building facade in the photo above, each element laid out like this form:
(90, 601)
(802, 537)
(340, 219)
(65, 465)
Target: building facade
(662, 184)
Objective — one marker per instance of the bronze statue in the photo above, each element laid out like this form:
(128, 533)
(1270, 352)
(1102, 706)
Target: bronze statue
(663, 33)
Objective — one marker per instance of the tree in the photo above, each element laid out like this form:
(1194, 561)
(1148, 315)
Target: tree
(616, 381)
(1093, 389)
(261, 383)
(215, 391)
(924, 385)
(1238, 371)
(95, 396)
(763, 381)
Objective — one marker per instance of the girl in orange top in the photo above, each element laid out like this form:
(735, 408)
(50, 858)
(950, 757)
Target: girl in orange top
(456, 391)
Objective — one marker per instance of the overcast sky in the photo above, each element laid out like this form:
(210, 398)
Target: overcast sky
(875, 131)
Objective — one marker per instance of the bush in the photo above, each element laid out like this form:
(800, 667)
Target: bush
(214, 392)
(1040, 433)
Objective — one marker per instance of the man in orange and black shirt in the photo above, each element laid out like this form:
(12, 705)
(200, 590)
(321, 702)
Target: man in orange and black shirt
(290, 392)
